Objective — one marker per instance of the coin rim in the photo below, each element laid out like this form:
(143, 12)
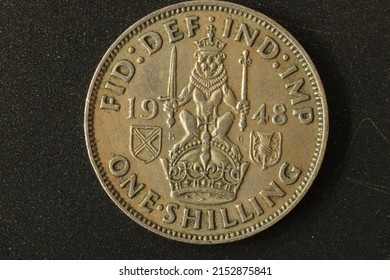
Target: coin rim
(226, 236)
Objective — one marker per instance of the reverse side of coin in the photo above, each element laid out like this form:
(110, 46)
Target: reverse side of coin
(206, 122)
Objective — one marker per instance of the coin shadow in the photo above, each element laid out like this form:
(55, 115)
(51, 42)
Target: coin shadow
(324, 56)
(275, 242)
(330, 174)
(327, 181)
(340, 121)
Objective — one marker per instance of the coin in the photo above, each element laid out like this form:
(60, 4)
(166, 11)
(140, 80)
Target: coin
(206, 122)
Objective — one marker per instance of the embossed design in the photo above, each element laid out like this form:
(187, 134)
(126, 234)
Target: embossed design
(215, 183)
(205, 167)
(170, 101)
(145, 142)
(245, 61)
(250, 212)
(265, 148)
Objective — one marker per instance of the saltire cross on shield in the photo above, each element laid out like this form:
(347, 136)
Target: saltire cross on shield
(145, 142)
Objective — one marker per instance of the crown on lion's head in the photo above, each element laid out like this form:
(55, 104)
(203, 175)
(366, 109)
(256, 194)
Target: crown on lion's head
(210, 43)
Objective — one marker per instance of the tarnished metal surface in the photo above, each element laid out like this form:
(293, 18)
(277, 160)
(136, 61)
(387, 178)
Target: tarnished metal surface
(206, 122)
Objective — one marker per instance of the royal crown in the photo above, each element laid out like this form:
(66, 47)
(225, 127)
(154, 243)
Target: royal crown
(192, 182)
(210, 43)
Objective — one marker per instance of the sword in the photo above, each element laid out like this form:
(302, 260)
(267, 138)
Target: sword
(245, 61)
(171, 98)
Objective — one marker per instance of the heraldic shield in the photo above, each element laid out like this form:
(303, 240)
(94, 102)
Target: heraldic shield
(145, 142)
(265, 148)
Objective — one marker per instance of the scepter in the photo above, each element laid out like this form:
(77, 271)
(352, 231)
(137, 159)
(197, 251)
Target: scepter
(245, 61)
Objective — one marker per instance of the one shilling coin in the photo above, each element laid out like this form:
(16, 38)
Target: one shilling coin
(206, 122)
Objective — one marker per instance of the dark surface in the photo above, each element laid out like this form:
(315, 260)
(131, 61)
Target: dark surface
(52, 205)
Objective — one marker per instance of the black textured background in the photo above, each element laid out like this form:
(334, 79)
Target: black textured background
(51, 203)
